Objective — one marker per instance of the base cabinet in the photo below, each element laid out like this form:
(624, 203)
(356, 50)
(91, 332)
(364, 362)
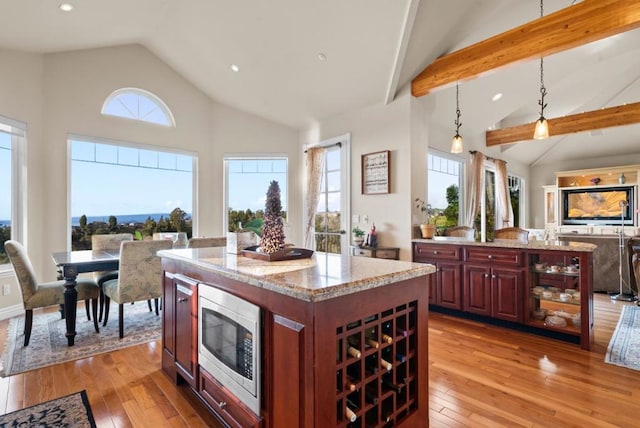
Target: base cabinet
(311, 375)
(533, 286)
(225, 404)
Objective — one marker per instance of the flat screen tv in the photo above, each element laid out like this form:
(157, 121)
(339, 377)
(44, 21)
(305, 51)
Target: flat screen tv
(598, 206)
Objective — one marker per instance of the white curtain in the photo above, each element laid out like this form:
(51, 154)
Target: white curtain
(504, 211)
(475, 187)
(313, 163)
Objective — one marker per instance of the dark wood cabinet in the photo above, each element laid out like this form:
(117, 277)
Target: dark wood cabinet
(445, 287)
(180, 328)
(494, 288)
(186, 327)
(514, 284)
(305, 356)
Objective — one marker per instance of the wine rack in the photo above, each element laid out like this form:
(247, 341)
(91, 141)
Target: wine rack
(376, 368)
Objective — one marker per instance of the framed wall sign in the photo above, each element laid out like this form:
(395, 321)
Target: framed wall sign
(375, 173)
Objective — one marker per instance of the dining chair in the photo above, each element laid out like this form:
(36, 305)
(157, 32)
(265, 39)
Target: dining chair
(37, 294)
(139, 277)
(511, 234)
(219, 241)
(461, 232)
(107, 242)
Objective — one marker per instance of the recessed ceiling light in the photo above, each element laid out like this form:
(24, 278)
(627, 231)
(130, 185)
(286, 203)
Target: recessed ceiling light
(66, 7)
(322, 56)
(497, 96)
(235, 68)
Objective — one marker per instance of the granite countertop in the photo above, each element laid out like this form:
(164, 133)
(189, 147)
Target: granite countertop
(510, 243)
(321, 277)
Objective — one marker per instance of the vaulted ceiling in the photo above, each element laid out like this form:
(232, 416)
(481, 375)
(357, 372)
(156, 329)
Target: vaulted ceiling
(371, 49)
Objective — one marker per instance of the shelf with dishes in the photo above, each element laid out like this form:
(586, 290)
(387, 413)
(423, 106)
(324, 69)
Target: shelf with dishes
(554, 294)
(556, 269)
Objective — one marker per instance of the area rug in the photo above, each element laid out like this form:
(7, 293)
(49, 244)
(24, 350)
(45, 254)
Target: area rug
(48, 344)
(70, 411)
(624, 348)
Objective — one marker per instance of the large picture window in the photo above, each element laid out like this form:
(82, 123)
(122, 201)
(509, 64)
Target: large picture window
(247, 181)
(444, 190)
(125, 188)
(12, 140)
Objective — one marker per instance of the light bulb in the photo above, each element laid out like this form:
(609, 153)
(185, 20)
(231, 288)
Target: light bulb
(456, 144)
(542, 129)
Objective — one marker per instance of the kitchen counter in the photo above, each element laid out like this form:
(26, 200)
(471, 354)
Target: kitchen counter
(509, 243)
(317, 316)
(321, 277)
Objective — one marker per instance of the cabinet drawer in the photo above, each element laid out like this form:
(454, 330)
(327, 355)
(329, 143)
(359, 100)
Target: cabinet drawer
(493, 256)
(226, 405)
(429, 252)
(363, 252)
(387, 254)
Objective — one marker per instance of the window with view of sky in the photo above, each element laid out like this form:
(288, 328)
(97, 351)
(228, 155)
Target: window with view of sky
(126, 181)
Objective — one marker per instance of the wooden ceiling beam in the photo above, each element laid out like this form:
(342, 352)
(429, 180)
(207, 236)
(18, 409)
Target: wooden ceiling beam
(627, 114)
(576, 25)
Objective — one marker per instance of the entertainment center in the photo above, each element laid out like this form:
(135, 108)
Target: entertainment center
(593, 201)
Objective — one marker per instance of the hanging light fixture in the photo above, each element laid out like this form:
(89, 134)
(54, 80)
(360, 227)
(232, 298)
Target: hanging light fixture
(456, 143)
(542, 126)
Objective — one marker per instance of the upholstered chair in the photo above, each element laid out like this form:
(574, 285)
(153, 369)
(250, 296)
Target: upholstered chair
(511, 233)
(110, 242)
(220, 241)
(466, 232)
(139, 277)
(42, 294)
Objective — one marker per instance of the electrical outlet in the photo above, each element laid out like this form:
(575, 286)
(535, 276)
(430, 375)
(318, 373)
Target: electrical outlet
(6, 289)
(355, 218)
(365, 218)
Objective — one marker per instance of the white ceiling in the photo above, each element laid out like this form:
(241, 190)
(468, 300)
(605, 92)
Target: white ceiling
(372, 48)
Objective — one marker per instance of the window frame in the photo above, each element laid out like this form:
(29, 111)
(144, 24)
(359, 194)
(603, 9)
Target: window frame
(252, 156)
(140, 93)
(461, 178)
(133, 145)
(17, 131)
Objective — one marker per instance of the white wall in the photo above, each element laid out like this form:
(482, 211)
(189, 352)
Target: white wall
(58, 94)
(373, 129)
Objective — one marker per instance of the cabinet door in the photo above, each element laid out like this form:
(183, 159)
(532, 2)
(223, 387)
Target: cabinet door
(477, 290)
(186, 329)
(168, 316)
(449, 288)
(507, 294)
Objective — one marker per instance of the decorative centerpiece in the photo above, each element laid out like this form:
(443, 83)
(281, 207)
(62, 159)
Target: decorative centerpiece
(272, 246)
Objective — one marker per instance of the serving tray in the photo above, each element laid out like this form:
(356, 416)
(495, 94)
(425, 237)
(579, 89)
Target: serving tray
(288, 253)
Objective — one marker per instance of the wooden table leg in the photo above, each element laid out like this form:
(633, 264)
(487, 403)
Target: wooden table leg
(70, 302)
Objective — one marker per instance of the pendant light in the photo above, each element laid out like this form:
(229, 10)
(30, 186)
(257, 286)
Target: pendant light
(542, 126)
(456, 142)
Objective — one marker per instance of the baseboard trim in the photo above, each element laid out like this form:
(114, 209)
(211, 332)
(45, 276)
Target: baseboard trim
(11, 311)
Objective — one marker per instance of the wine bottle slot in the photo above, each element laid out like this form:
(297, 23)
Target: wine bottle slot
(373, 343)
(351, 383)
(387, 338)
(401, 332)
(351, 417)
(388, 384)
(355, 353)
(401, 358)
(386, 365)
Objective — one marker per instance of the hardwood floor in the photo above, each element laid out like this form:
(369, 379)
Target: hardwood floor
(480, 375)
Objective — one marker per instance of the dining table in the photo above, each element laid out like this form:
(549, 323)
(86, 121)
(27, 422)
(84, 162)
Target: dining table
(73, 263)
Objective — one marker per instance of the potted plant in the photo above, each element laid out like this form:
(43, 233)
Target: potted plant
(426, 227)
(358, 236)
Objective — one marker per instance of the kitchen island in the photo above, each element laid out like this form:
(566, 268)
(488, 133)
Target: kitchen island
(541, 287)
(343, 339)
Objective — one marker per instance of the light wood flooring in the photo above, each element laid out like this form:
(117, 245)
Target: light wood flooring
(480, 375)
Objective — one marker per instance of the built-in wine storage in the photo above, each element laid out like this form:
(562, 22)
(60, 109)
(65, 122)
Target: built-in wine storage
(376, 368)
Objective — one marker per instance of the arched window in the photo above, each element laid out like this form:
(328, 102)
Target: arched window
(138, 104)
